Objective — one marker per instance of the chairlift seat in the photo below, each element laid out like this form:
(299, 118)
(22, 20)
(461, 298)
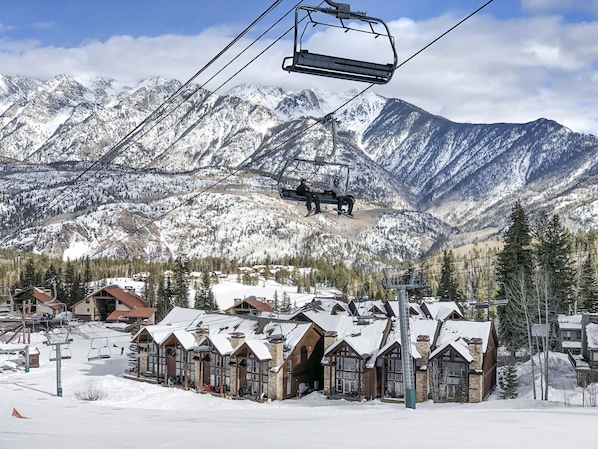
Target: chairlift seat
(325, 197)
(336, 67)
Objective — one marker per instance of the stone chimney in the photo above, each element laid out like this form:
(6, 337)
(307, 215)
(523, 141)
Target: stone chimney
(422, 377)
(330, 338)
(201, 333)
(475, 349)
(476, 373)
(237, 339)
(423, 347)
(277, 371)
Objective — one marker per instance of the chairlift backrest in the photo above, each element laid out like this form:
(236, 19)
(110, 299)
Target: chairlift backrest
(339, 67)
(99, 349)
(320, 180)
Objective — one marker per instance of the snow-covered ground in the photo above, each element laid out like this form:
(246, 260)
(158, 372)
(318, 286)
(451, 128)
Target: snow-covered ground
(140, 415)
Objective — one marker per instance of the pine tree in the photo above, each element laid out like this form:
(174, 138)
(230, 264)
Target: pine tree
(507, 381)
(149, 289)
(180, 274)
(286, 302)
(276, 300)
(87, 277)
(588, 286)
(72, 285)
(515, 266)
(553, 250)
(448, 287)
(204, 296)
(164, 299)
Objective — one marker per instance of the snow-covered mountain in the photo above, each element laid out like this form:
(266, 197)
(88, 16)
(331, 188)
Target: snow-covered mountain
(156, 168)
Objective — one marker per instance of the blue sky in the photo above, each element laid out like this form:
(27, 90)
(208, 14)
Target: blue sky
(516, 61)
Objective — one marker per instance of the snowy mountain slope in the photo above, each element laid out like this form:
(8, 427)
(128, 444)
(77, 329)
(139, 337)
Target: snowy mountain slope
(156, 215)
(401, 158)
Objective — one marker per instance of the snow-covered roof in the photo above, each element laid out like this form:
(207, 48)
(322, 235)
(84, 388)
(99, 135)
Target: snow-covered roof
(341, 324)
(572, 322)
(414, 309)
(221, 343)
(441, 310)
(571, 344)
(460, 345)
(185, 338)
(365, 340)
(292, 332)
(452, 330)
(180, 315)
(219, 323)
(592, 334)
(325, 305)
(259, 348)
(12, 347)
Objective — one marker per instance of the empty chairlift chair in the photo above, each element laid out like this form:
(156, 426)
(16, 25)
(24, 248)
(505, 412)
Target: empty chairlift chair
(337, 66)
(99, 349)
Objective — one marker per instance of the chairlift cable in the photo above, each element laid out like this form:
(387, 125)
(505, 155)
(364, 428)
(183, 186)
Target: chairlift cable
(112, 152)
(245, 164)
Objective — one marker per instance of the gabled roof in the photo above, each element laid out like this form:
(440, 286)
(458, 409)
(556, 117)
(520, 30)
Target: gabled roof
(417, 327)
(292, 332)
(392, 309)
(330, 306)
(142, 313)
(459, 345)
(254, 304)
(221, 343)
(258, 347)
(185, 339)
(452, 330)
(442, 310)
(47, 300)
(364, 341)
(127, 297)
(458, 333)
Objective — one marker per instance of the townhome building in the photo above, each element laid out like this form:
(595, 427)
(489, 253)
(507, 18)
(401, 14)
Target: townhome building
(346, 357)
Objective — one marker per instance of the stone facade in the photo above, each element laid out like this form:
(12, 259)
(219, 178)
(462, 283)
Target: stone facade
(329, 371)
(276, 373)
(236, 339)
(476, 375)
(422, 382)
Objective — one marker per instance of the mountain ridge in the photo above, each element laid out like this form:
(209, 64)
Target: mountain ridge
(404, 160)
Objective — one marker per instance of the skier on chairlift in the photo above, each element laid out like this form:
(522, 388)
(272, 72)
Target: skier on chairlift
(304, 190)
(342, 198)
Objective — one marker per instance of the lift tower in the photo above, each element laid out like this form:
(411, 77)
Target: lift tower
(401, 280)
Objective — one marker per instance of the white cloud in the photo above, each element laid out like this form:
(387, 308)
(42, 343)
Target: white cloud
(4, 27)
(484, 71)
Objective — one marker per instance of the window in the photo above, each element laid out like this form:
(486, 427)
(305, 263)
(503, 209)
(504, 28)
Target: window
(393, 367)
(453, 377)
(348, 373)
(566, 335)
